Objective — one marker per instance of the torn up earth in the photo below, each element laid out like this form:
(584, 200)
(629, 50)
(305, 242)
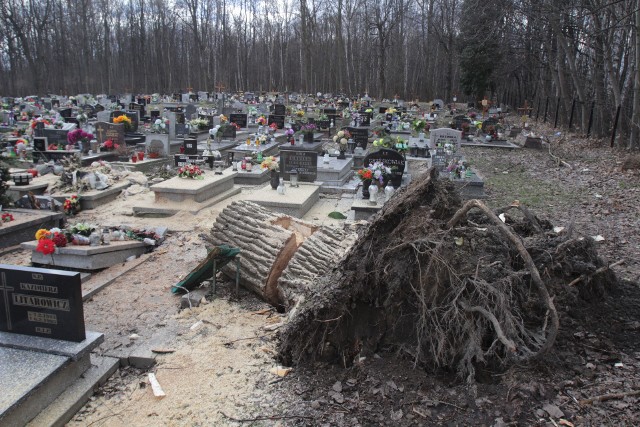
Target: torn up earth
(456, 287)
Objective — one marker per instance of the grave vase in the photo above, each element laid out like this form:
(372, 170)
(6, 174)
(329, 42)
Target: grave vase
(275, 179)
(342, 155)
(308, 137)
(365, 188)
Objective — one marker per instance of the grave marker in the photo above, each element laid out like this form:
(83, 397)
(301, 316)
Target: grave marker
(135, 119)
(279, 110)
(41, 302)
(190, 146)
(56, 136)
(277, 119)
(360, 136)
(112, 131)
(439, 159)
(390, 158)
(305, 162)
(445, 136)
(190, 111)
(239, 119)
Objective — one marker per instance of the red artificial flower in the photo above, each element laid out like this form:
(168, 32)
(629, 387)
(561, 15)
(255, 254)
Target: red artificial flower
(59, 240)
(46, 246)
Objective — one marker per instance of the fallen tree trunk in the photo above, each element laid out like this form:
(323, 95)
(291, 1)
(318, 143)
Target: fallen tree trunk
(280, 255)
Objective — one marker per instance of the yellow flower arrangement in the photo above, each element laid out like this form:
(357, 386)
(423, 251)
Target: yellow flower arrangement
(42, 234)
(223, 118)
(300, 113)
(122, 119)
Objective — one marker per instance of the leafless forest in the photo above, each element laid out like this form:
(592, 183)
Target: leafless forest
(574, 56)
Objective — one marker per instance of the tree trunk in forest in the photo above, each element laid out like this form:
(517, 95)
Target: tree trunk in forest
(635, 118)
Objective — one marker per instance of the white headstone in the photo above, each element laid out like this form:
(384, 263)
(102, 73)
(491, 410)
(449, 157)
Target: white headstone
(185, 97)
(103, 116)
(445, 136)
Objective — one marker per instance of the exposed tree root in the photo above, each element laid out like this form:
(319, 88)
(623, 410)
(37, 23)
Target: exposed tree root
(452, 293)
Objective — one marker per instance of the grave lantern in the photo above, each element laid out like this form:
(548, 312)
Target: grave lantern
(351, 144)
(218, 164)
(293, 176)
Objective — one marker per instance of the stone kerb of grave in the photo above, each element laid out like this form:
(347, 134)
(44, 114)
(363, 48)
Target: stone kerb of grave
(391, 159)
(280, 255)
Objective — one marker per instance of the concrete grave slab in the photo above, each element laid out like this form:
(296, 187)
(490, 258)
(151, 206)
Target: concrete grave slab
(88, 257)
(295, 202)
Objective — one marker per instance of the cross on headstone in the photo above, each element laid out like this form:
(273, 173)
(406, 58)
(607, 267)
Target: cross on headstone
(219, 87)
(5, 291)
(100, 131)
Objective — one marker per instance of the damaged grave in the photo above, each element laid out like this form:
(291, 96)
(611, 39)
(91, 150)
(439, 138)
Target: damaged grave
(454, 287)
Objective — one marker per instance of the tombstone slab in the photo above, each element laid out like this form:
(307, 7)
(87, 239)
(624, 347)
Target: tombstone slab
(335, 173)
(93, 198)
(296, 201)
(88, 257)
(25, 225)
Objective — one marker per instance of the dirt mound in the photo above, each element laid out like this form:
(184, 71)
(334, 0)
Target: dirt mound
(456, 287)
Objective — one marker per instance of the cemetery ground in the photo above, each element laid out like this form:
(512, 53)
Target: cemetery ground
(216, 362)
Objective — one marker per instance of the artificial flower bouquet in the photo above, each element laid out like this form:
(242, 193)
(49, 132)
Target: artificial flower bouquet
(191, 172)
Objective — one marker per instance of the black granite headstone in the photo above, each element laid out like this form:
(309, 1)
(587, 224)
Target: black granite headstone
(56, 136)
(190, 146)
(239, 119)
(382, 110)
(489, 122)
(89, 110)
(135, 120)
(391, 159)
(41, 302)
(133, 106)
(65, 112)
(360, 136)
(39, 143)
(55, 103)
(208, 118)
(305, 162)
(155, 114)
(279, 110)
(190, 111)
(181, 129)
(277, 119)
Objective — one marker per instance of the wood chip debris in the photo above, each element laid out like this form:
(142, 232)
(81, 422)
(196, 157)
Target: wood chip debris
(155, 386)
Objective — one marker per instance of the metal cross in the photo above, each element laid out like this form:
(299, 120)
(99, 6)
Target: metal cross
(5, 291)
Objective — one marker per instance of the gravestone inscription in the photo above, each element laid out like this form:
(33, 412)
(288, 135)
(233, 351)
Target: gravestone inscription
(279, 110)
(112, 131)
(56, 136)
(442, 136)
(277, 119)
(190, 146)
(360, 136)
(41, 302)
(239, 119)
(304, 162)
(391, 159)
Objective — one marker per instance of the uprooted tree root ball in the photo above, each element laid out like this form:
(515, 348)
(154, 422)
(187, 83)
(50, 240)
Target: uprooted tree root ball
(454, 286)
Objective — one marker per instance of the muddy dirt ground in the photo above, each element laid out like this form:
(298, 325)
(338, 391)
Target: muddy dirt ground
(219, 370)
